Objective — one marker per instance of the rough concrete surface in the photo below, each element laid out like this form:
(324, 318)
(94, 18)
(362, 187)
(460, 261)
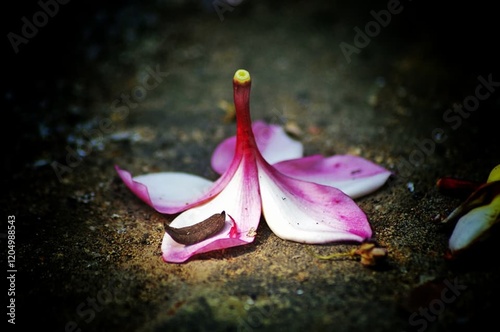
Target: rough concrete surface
(87, 251)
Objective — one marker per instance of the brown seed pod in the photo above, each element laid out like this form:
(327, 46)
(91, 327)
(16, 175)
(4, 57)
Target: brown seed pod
(198, 232)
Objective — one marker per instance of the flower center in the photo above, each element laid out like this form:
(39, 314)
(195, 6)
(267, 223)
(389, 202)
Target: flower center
(242, 76)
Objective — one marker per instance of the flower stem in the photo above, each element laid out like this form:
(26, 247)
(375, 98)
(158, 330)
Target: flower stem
(241, 90)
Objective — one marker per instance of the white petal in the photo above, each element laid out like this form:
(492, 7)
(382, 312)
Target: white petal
(173, 188)
(361, 187)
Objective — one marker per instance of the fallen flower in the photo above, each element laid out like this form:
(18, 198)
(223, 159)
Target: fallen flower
(476, 215)
(294, 195)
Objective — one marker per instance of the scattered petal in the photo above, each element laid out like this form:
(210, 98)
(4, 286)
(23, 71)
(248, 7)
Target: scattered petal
(169, 192)
(308, 212)
(473, 225)
(354, 175)
(476, 215)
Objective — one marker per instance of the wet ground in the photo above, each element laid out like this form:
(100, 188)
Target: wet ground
(146, 86)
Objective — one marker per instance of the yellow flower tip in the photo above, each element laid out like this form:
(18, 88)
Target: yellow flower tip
(242, 76)
(494, 174)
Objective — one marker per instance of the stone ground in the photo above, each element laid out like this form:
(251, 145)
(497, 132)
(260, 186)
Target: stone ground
(88, 251)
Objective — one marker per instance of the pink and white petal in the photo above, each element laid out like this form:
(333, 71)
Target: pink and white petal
(273, 143)
(223, 154)
(171, 192)
(308, 212)
(173, 252)
(354, 175)
(240, 200)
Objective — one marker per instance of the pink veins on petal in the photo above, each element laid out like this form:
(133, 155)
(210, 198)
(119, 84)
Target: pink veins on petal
(298, 205)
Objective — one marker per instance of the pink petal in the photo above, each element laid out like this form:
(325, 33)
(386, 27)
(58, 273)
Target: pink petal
(172, 192)
(308, 212)
(273, 143)
(354, 175)
(240, 200)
